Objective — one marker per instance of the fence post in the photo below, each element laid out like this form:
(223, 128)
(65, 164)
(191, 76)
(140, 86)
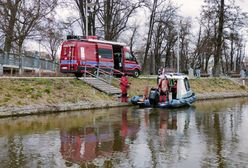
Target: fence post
(46, 64)
(98, 68)
(6, 58)
(85, 69)
(20, 64)
(1, 63)
(39, 66)
(53, 67)
(1, 69)
(110, 75)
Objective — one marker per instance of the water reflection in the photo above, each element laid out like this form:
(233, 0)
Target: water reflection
(210, 134)
(84, 144)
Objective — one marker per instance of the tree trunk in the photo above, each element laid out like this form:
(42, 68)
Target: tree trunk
(150, 32)
(217, 55)
(107, 20)
(232, 52)
(20, 43)
(11, 24)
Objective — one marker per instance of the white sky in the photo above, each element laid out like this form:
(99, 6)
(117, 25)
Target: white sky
(188, 8)
(192, 7)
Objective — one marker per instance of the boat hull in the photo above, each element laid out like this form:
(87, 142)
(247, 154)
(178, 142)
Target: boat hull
(174, 103)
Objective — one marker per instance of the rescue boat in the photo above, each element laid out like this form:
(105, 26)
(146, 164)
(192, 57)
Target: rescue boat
(181, 95)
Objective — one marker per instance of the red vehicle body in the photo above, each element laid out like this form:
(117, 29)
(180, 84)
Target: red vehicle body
(76, 53)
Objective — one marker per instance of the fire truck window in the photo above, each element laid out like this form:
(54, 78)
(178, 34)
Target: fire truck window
(128, 56)
(105, 53)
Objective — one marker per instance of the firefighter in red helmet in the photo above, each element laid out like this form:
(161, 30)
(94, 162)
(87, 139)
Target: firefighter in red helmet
(124, 85)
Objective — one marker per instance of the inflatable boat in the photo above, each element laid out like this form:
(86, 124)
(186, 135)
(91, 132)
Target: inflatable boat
(181, 96)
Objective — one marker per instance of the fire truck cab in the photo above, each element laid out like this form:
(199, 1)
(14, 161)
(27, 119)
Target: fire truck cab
(78, 53)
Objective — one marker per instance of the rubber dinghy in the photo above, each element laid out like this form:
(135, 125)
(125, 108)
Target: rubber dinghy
(181, 95)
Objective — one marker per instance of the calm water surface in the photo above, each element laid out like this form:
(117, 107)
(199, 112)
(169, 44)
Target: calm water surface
(210, 134)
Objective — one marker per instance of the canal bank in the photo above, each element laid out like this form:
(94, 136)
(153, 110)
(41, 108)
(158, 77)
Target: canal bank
(56, 108)
(40, 96)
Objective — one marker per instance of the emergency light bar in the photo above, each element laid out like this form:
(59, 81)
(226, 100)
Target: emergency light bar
(73, 37)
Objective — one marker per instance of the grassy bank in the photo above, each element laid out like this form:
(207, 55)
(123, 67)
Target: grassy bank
(202, 85)
(22, 92)
(42, 91)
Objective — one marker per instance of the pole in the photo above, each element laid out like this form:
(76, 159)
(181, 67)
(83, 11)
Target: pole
(88, 5)
(234, 68)
(178, 43)
(39, 59)
(86, 14)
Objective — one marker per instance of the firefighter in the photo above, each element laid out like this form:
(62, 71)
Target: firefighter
(163, 87)
(124, 85)
(174, 90)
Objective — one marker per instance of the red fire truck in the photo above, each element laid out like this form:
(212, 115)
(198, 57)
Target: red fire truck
(77, 53)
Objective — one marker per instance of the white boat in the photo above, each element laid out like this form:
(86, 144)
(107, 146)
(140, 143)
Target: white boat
(181, 96)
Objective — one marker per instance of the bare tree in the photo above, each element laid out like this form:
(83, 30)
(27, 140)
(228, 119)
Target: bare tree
(113, 16)
(161, 35)
(92, 8)
(8, 18)
(30, 15)
(218, 54)
(150, 32)
(133, 38)
(207, 39)
(52, 36)
(220, 23)
(21, 18)
(165, 36)
(184, 48)
(235, 22)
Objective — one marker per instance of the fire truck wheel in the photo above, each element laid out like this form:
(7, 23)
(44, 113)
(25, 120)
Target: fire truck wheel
(136, 73)
(78, 75)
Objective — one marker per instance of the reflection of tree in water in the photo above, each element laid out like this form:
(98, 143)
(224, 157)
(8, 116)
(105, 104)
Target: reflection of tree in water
(118, 143)
(169, 138)
(219, 124)
(162, 124)
(15, 152)
(220, 105)
(218, 134)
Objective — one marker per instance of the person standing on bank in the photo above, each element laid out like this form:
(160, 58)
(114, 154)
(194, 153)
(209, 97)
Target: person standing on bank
(124, 85)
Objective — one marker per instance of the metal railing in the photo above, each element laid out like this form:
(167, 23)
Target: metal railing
(103, 73)
(26, 62)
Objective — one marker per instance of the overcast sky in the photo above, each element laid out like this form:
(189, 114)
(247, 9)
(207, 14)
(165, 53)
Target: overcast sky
(189, 8)
(192, 7)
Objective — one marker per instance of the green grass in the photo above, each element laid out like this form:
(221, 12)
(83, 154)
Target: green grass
(21, 92)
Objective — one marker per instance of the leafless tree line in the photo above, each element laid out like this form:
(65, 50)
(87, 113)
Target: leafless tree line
(217, 45)
(21, 20)
(221, 39)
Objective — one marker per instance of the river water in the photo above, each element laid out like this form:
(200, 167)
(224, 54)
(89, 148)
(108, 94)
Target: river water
(209, 134)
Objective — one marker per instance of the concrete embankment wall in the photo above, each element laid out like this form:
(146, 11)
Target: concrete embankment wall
(36, 110)
(221, 95)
